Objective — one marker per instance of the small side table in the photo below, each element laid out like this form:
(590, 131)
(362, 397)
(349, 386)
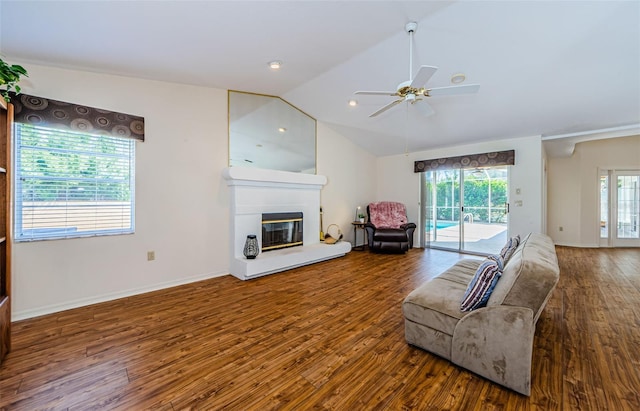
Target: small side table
(357, 226)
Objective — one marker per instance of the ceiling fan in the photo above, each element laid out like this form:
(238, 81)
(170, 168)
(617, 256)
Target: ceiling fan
(413, 90)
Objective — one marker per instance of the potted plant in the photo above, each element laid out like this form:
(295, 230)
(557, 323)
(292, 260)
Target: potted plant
(361, 217)
(9, 78)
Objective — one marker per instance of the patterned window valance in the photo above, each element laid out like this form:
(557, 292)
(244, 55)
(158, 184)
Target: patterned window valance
(495, 158)
(67, 116)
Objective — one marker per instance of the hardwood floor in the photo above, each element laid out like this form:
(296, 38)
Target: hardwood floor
(326, 336)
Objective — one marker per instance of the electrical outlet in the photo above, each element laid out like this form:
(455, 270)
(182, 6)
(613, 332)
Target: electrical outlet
(151, 255)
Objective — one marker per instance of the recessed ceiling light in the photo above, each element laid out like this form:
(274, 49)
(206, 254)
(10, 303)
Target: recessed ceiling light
(275, 64)
(458, 78)
(282, 129)
(353, 103)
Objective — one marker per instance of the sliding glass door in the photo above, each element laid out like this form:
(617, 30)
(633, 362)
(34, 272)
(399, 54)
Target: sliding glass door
(485, 209)
(441, 209)
(465, 210)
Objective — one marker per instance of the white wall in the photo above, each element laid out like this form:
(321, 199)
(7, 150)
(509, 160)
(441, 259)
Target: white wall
(351, 179)
(398, 182)
(182, 200)
(573, 188)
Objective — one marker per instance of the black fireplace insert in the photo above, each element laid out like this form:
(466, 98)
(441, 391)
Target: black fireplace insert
(281, 230)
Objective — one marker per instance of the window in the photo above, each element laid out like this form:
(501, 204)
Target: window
(72, 184)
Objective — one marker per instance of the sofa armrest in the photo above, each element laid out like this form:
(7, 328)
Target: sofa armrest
(409, 228)
(497, 343)
(370, 229)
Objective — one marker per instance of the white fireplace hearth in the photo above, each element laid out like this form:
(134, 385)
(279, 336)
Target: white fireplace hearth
(257, 191)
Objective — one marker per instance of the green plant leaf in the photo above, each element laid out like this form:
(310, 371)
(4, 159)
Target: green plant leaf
(20, 70)
(9, 77)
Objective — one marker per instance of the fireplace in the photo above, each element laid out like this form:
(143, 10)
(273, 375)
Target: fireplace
(281, 230)
(254, 192)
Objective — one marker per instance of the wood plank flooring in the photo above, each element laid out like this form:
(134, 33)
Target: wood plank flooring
(326, 336)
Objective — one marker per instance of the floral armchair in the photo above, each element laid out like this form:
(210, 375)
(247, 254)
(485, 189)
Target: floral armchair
(388, 229)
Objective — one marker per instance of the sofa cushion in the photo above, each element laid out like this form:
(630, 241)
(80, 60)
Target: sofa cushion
(482, 284)
(436, 303)
(462, 272)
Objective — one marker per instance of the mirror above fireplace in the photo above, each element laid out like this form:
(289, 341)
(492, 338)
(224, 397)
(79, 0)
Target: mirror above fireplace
(267, 132)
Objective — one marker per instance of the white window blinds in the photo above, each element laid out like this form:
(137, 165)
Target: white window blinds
(72, 184)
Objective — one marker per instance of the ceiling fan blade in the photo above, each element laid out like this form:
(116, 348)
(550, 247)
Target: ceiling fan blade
(422, 76)
(453, 90)
(423, 107)
(387, 107)
(377, 93)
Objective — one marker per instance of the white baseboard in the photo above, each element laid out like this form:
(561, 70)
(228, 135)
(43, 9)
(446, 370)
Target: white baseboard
(54, 308)
(577, 245)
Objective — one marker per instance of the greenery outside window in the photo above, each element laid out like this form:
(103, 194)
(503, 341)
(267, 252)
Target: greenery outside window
(72, 184)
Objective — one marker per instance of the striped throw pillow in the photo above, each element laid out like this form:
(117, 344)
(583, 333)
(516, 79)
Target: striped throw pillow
(482, 283)
(509, 248)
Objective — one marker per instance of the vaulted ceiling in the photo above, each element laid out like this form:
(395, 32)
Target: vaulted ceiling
(544, 67)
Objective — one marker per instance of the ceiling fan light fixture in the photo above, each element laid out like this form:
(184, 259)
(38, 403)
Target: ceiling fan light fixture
(275, 64)
(353, 103)
(282, 129)
(458, 78)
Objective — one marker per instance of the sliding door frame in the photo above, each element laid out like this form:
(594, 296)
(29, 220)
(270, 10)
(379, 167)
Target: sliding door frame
(428, 205)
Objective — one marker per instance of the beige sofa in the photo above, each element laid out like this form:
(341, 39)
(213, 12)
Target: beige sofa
(495, 341)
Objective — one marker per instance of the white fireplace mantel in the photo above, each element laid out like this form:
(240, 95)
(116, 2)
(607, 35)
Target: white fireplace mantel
(257, 191)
